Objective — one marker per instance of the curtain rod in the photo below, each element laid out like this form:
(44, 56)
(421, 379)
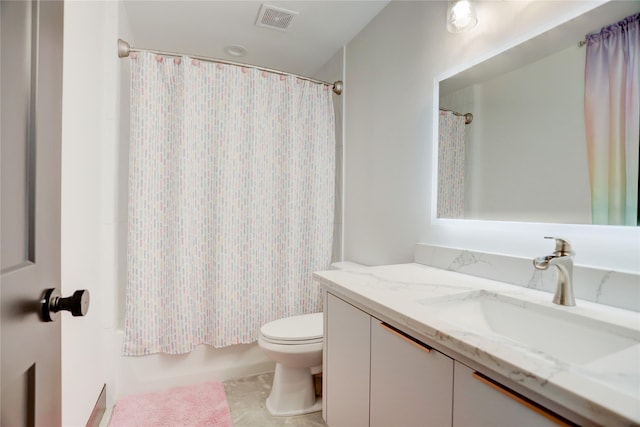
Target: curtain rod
(124, 49)
(468, 117)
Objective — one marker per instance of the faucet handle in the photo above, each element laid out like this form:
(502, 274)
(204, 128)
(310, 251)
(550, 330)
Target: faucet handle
(563, 247)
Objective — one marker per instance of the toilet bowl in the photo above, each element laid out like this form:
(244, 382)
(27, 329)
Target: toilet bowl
(295, 344)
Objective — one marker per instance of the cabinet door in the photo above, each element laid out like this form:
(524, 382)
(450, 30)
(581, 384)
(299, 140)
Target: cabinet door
(346, 353)
(411, 384)
(479, 401)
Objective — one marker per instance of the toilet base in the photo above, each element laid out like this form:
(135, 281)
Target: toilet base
(292, 393)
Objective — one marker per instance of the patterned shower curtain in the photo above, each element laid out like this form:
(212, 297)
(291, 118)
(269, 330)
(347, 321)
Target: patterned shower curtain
(451, 165)
(612, 115)
(231, 194)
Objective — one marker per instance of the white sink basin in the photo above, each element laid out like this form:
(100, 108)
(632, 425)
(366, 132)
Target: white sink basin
(556, 332)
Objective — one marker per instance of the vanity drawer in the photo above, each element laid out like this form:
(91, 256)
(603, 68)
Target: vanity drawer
(411, 383)
(481, 401)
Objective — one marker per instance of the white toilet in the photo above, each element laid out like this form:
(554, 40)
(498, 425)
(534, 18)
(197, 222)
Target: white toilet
(295, 344)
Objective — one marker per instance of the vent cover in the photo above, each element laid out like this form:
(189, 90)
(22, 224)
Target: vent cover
(275, 18)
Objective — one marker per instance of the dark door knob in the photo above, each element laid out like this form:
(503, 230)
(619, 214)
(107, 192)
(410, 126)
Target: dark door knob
(52, 303)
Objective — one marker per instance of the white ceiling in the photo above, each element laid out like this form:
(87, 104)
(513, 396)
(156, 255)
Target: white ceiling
(204, 28)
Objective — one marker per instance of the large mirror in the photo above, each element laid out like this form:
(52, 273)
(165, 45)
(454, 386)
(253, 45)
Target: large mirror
(523, 156)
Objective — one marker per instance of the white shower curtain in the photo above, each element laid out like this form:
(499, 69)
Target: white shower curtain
(451, 161)
(231, 194)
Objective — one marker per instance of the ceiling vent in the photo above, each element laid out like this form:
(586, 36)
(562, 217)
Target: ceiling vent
(275, 18)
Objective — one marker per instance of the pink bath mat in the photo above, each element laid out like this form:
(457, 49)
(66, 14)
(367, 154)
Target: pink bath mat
(191, 406)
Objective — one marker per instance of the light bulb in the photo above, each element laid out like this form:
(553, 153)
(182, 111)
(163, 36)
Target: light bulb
(461, 16)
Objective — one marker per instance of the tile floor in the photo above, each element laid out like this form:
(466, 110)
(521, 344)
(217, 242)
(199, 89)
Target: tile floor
(246, 398)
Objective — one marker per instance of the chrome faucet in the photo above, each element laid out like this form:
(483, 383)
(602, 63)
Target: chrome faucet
(562, 258)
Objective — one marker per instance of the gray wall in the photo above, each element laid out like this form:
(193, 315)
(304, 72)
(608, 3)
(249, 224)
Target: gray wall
(525, 139)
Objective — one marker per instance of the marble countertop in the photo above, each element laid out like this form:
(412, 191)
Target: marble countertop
(605, 390)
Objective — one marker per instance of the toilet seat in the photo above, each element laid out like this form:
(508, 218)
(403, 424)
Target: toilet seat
(294, 330)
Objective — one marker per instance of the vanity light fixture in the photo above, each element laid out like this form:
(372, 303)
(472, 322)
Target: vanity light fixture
(461, 16)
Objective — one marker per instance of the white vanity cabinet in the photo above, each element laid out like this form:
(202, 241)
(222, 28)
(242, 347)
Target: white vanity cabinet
(480, 401)
(376, 375)
(347, 354)
(411, 383)
(380, 377)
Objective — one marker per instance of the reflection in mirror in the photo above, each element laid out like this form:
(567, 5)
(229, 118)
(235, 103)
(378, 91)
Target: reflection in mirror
(527, 156)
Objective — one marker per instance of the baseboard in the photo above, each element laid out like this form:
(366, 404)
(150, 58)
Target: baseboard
(98, 410)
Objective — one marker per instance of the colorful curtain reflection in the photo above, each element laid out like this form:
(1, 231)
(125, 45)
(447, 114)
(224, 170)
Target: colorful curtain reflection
(612, 115)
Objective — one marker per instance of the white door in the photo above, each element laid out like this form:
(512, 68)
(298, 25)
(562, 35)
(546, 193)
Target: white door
(31, 125)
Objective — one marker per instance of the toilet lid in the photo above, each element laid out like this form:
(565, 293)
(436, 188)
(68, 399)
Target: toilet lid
(295, 328)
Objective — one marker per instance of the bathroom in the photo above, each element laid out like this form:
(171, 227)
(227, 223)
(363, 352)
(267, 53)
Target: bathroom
(386, 122)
